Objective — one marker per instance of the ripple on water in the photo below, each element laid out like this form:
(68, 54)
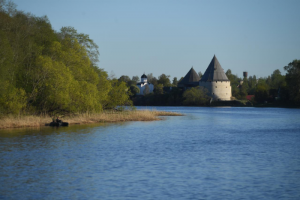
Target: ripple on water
(210, 153)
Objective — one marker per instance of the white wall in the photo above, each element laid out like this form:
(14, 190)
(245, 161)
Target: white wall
(144, 80)
(219, 90)
(142, 88)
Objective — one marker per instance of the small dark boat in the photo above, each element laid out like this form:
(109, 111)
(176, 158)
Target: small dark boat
(59, 123)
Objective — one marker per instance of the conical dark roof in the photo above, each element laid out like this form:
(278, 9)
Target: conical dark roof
(214, 72)
(190, 77)
(143, 76)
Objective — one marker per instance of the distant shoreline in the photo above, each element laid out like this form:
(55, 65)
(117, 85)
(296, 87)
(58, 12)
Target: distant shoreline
(235, 103)
(104, 117)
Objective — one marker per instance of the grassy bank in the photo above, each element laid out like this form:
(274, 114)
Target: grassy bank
(107, 116)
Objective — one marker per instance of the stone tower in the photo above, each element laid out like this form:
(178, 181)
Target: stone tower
(216, 82)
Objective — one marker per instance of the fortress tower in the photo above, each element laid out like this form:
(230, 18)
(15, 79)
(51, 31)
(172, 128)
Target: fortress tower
(191, 79)
(216, 82)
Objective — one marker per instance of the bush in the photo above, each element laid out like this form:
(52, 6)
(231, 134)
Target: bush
(195, 96)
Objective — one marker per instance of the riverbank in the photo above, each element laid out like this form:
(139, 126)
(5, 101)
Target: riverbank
(104, 117)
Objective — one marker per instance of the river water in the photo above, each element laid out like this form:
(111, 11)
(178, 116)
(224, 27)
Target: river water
(210, 153)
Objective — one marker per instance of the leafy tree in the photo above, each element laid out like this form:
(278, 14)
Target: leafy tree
(243, 89)
(134, 89)
(154, 82)
(103, 85)
(277, 80)
(261, 93)
(12, 100)
(127, 80)
(159, 89)
(293, 80)
(136, 79)
(200, 74)
(118, 95)
(150, 77)
(84, 40)
(45, 71)
(195, 96)
(175, 82)
(234, 81)
(6, 61)
(252, 84)
(124, 78)
(164, 80)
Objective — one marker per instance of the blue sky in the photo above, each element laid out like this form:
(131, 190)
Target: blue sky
(170, 37)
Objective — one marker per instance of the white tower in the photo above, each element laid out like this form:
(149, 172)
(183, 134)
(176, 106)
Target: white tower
(216, 82)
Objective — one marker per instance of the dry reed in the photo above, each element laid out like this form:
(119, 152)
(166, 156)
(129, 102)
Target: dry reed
(107, 116)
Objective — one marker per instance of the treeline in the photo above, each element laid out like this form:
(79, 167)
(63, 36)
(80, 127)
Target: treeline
(166, 92)
(44, 71)
(276, 88)
(282, 89)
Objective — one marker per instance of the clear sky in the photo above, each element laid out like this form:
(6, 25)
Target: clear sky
(161, 36)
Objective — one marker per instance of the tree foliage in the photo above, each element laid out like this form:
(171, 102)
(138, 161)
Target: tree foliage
(293, 80)
(164, 80)
(46, 71)
(195, 96)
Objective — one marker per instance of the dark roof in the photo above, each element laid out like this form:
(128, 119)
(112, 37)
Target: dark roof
(144, 76)
(190, 78)
(214, 72)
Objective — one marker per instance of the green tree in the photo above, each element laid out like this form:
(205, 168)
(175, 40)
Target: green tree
(12, 100)
(154, 82)
(150, 77)
(159, 89)
(175, 82)
(195, 96)
(200, 74)
(277, 80)
(118, 95)
(261, 93)
(234, 82)
(84, 40)
(252, 84)
(126, 79)
(293, 80)
(136, 79)
(45, 71)
(243, 89)
(164, 80)
(134, 89)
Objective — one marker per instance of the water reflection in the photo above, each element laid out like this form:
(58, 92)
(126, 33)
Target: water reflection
(210, 153)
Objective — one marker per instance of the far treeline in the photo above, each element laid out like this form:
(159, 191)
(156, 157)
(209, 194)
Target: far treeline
(44, 71)
(276, 89)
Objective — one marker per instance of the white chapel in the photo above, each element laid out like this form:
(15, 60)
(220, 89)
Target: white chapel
(144, 86)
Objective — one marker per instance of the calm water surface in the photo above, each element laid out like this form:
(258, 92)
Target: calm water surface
(210, 153)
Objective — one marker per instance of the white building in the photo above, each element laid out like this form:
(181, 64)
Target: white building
(216, 82)
(144, 86)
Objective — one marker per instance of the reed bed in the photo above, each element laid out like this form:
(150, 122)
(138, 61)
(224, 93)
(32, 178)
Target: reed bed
(85, 118)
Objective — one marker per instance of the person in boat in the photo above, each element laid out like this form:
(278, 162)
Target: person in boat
(58, 120)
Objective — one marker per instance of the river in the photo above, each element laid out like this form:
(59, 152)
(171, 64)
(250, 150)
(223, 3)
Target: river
(209, 153)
